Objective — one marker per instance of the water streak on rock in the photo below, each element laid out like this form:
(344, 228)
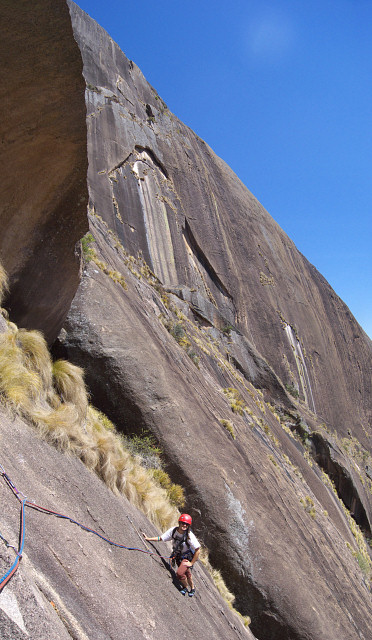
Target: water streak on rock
(301, 368)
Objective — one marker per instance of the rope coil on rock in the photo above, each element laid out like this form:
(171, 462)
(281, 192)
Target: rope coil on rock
(26, 503)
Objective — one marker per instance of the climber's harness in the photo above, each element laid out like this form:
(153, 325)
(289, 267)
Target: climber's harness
(178, 555)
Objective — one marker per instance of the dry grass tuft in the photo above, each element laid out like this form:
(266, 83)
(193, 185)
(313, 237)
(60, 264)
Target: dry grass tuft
(229, 427)
(123, 474)
(54, 398)
(36, 354)
(20, 386)
(3, 282)
(69, 384)
(174, 491)
(222, 587)
(217, 579)
(236, 401)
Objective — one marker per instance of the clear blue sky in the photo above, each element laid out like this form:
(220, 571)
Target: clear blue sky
(282, 91)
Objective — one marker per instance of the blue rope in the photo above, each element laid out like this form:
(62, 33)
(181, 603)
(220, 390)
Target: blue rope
(89, 530)
(26, 503)
(6, 577)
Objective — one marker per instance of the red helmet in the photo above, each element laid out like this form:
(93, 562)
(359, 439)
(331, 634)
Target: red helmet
(184, 517)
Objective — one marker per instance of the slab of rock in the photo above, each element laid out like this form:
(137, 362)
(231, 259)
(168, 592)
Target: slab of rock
(70, 583)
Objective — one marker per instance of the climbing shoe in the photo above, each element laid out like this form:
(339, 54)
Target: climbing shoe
(183, 591)
(191, 593)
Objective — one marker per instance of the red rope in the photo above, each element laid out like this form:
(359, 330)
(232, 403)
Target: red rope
(26, 503)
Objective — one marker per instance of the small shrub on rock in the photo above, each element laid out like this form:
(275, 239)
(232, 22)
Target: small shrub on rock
(236, 401)
(292, 390)
(229, 427)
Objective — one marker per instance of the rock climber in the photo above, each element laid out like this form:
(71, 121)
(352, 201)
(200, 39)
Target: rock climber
(186, 550)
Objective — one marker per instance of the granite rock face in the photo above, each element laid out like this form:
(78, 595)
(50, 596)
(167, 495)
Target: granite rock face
(164, 192)
(197, 319)
(43, 161)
